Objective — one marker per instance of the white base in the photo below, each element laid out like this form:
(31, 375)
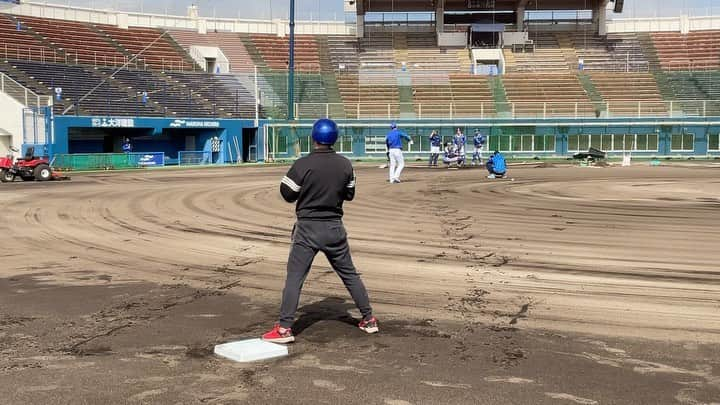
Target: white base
(250, 350)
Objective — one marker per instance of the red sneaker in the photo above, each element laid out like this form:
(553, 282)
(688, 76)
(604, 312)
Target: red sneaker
(369, 326)
(278, 334)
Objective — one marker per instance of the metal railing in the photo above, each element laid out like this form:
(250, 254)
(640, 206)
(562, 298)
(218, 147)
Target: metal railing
(76, 57)
(22, 94)
(517, 110)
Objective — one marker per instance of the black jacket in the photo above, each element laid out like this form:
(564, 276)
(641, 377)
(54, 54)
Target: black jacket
(320, 182)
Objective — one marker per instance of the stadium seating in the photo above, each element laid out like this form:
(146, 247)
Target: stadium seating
(547, 56)
(616, 53)
(228, 97)
(344, 53)
(229, 42)
(154, 48)
(77, 41)
(694, 51)
(432, 95)
(472, 96)
(176, 94)
(562, 92)
(383, 75)
(423, 54)
(369, 95)
(76, 82)
(274, 51)
(23, 44)
(630, 94)
(377, 52)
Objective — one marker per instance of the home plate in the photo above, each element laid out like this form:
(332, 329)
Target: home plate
(250, 350)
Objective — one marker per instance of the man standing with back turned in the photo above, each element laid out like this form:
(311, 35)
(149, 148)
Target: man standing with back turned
(320, 183)
(394, 143)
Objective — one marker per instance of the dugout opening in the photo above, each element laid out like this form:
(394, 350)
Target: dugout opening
(173, 142)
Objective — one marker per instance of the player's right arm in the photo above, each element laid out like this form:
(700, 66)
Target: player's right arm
(291, 184)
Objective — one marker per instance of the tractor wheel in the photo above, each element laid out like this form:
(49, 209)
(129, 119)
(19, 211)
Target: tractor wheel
(43, 173)
(6, 176)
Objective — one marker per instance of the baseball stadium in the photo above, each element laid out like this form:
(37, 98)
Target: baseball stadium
(174, 168)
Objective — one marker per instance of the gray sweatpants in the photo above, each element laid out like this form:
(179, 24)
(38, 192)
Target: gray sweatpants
(309, 238)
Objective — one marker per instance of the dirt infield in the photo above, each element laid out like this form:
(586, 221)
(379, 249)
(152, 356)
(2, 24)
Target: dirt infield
(565, 286)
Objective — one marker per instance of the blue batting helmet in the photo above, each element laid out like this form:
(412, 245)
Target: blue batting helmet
(325, 131)
(393, 125)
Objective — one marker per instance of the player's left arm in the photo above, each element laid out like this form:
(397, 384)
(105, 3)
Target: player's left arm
(350, 186)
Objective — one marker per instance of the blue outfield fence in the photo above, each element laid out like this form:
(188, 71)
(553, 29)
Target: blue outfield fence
(108, 161)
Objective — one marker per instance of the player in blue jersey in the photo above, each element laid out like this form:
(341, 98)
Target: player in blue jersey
(459, 140)
(435, 144)
(394, 143)
(496, 166)
(479, 142)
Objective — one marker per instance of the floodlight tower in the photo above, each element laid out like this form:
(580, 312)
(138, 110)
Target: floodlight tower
(291, 64)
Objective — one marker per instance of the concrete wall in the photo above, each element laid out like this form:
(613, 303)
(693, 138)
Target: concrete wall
(681, 23)
(11, 122)
(135, 19)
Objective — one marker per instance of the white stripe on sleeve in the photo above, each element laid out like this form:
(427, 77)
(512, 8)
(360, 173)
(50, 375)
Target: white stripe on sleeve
(290, 183)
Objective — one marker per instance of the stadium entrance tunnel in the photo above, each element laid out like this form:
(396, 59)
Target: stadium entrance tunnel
(122, 142)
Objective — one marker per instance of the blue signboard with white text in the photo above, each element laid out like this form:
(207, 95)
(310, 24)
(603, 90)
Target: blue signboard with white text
(151, 159)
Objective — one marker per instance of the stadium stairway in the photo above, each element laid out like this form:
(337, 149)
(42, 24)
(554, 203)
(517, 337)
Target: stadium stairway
(328, 74)
(400, 49)
(592, 92)
(253, 51)
(648, 48)
(466, 60)
(343, 51)
(568, 49)
(497, 87)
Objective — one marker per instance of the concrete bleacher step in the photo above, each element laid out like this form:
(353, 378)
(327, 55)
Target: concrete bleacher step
(40, 39)
(115, 44)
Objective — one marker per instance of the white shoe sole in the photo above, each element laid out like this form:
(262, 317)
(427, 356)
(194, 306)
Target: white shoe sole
(280, 340)
(371, 330)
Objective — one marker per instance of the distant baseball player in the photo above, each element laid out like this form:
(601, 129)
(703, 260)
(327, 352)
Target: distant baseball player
(127, 146)
(320, 182)
(496, 166)
(479, 142)
(394, 142)
(435, 144)
(460, 141)
(450, 156)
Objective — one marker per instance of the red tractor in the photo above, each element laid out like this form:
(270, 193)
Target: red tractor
(29, 168)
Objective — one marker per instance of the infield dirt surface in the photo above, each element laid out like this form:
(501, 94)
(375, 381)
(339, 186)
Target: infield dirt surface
(565, 286)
